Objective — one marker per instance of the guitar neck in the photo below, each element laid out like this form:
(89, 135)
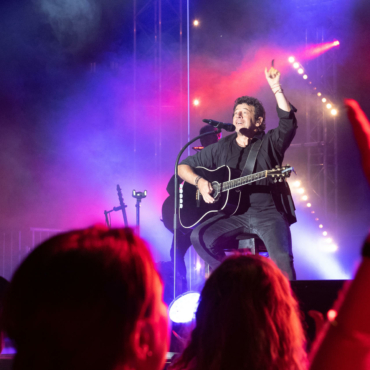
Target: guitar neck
(232, 184)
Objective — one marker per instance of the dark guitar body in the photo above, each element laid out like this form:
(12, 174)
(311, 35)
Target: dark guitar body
(228, 201)
(167, 215)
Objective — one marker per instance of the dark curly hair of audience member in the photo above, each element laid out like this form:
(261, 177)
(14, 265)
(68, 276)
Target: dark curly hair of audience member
(247, 318)
(259, 110)
(77, 299)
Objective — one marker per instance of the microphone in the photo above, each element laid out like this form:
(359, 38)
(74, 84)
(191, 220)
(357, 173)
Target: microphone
(226, 126)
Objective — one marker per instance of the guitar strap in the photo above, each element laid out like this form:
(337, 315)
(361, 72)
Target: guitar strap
(251, 159)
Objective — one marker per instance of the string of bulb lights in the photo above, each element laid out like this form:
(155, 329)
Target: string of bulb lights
(328, 244)
(298, 66)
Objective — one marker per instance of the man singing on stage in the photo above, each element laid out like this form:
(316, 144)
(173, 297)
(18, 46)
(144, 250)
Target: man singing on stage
(267, 208)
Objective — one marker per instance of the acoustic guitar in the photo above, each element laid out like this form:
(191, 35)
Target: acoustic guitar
(226, 192)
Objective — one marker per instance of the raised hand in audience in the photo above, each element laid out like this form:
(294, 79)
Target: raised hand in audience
(346, 344)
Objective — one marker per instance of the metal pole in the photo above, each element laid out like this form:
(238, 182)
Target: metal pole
(188, 64)
(177, 208)
(182, 150)
(134, 86)
(308, 126)
(138, 215)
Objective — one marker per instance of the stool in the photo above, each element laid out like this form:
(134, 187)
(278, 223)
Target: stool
(246, 243)
(251, 242)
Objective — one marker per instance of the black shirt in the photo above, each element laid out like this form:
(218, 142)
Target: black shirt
(256, 196)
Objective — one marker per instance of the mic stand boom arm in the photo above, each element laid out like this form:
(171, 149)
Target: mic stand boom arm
(176, 210)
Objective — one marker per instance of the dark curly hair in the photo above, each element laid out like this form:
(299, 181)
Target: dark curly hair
(247, 318)
(259, 110)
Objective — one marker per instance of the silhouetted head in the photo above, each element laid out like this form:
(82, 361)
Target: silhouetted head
(88, 299)
(247, 318)
(211, 138)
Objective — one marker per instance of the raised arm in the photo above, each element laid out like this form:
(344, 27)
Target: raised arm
(285, 132)
(273, 79)
(361, 129)
(346, 345)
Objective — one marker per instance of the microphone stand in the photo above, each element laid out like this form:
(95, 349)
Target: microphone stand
(176, 210)
(138, 195)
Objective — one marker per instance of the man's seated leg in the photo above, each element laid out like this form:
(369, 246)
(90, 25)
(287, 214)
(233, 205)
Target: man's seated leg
(211, 237)
(273, 229)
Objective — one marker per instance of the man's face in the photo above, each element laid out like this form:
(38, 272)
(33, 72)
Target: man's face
(244, 119)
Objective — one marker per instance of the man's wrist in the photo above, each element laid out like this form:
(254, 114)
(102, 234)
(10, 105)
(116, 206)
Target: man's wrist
(276, 88)
(196, 181)
(275, 84)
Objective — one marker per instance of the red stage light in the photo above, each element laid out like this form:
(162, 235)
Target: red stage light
(316, 50)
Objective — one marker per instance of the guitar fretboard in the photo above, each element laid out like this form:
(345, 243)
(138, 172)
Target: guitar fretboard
(232, 184)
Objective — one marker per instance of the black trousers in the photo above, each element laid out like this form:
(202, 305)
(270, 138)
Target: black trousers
(211, 237)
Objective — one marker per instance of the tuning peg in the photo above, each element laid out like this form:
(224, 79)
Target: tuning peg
(275, 180)
(280, 180)
(277, 167)
(288, 165)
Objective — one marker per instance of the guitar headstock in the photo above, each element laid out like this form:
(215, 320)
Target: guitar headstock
(280, 173)
(119, 192)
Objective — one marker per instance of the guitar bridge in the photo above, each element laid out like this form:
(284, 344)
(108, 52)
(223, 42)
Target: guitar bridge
(197, 198)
